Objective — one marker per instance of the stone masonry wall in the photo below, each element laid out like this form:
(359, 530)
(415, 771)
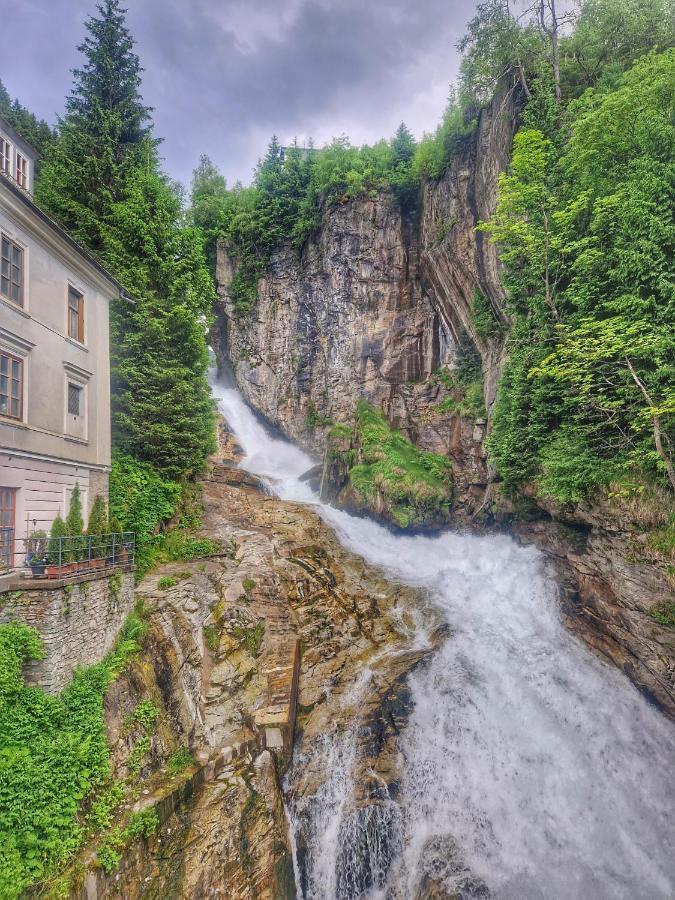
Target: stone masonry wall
(78, 623)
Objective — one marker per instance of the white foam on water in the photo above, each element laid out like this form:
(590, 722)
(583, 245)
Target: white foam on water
(548, 769)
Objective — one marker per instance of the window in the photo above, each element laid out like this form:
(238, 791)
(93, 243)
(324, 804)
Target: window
(5, 157)
(7, 508)
(74, 399)
(75, 315)
(11, 271)
(11, 386)
(21, 171)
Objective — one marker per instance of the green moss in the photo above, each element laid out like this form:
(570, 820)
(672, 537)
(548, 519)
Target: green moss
(663, 539)
(166, 582)
(250, 638)
(664, 613)
(340, 430)
(212, 637)
(248, 584)
(415, 484)
(180, 760)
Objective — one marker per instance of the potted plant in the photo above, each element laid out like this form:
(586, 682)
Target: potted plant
(36, 552)
(56, 552)
(97, 530)
(77, 543)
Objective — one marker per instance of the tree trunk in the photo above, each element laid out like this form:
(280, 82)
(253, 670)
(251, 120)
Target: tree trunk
(656, 423)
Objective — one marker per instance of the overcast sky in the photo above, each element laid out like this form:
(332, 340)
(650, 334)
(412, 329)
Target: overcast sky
(224, 75)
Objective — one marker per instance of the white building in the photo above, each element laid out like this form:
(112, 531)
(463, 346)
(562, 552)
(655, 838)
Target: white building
(54, 357)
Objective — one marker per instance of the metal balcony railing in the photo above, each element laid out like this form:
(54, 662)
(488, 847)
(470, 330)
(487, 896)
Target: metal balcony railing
(66, 557)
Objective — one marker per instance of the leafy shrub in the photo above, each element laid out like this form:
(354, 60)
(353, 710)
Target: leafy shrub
(53, 753)
(141, 824)
(166, 582)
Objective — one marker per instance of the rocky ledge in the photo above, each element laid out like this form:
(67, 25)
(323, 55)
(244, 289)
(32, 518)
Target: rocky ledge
(219, 668)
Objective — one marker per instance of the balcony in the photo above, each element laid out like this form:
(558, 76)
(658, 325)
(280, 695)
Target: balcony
(51, 561)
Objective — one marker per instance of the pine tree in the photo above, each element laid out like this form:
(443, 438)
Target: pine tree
(403, 145)
(36, 131)
(102, 181)
(104, 135)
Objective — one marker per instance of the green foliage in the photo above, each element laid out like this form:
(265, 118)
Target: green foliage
(415, 485)
(101, 180)
(74, 519)
(585, 232)
(212, 637)
(250, 638)
(36, 131)
(290, 192)
(485, 320)
(146, 714)
(248, 584)
(141, 499)
(664, 613)
(142, 825)
(98, 517)
(53, 752)
(56, 548)
(435, 151)
(315, 419)
(180, 760)
(138, 754)
(166, 582)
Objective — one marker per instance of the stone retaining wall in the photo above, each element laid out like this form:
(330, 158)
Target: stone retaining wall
(78, 623)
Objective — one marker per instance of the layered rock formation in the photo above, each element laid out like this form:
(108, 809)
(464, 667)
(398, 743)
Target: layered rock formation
(213, 668)
(372, 308)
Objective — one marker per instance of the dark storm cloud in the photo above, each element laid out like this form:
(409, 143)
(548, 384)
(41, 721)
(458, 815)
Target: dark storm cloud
(223, 75)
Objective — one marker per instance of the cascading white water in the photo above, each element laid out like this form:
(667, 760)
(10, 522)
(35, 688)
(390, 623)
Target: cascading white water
(547, 768)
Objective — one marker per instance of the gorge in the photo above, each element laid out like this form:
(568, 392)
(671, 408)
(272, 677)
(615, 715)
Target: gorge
(528, 767)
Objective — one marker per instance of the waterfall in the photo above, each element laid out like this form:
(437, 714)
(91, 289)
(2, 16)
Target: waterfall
(539, 766)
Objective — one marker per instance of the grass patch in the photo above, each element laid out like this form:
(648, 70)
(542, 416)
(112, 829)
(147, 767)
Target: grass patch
(249, 638)
(166, 582)
(180, 760)
(664, 613)
(415, 485)
(248, 584)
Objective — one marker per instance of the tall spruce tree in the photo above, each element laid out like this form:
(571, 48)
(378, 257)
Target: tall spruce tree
(102, 181)
(105, 133)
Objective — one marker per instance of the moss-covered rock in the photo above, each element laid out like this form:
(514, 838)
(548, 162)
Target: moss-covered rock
(373, 468)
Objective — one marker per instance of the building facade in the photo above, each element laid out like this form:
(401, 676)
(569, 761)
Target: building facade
(54, 357)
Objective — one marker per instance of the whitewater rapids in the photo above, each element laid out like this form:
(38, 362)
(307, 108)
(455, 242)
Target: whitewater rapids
(547, 768)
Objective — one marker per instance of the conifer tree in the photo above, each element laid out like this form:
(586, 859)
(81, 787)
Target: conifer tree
(102, 182)
(104, 135)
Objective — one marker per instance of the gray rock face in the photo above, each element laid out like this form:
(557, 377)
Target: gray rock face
(374, 305)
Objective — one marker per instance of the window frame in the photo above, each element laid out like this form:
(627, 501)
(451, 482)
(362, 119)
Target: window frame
(5, 156)
(13, 245)
(22, 378)
(21, 170)
(73, 291)
(74, 386)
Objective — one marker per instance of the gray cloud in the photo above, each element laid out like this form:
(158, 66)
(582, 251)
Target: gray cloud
(224, 75)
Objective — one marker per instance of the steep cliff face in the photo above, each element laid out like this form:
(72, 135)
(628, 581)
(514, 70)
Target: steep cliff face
(373, 307)
(212, 670)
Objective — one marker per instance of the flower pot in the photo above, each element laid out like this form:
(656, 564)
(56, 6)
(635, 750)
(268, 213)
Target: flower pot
(60, 571)
(38, 569)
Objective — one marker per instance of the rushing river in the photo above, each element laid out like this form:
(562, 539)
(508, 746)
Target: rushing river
(551, 773)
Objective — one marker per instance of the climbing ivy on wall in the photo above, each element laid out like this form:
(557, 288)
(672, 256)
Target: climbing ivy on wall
(53, 754)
